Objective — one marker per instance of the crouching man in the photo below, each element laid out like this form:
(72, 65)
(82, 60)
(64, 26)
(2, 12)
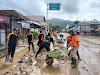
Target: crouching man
(45, 44)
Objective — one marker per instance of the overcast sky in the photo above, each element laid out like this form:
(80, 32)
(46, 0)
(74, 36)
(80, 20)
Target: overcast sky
(70, 9)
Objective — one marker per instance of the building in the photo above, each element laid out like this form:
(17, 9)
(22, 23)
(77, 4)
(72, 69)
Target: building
(44, 26)
(8, 21)
(91, 28)
(4, 20)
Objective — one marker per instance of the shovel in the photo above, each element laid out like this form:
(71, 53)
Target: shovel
(7, 60)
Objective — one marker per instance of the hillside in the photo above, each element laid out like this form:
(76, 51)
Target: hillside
(62, 23)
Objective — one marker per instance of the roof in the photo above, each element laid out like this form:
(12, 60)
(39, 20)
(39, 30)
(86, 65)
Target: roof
(98, 29)
(36, 23)
(13, 13)
(36, 18)
(94, 21)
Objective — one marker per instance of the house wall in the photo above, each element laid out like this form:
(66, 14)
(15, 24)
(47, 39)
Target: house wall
(2, 36)
(85, 28)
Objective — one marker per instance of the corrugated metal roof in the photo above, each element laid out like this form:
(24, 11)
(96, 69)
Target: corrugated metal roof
(34, 23)
(13, 13)
(36, 18)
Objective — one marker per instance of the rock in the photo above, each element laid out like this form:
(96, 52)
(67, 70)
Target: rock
(20, 61)
(16, 73)
(34, 63)
(44, 65)
(49, 60)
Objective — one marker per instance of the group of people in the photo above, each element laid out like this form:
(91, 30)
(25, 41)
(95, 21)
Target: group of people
(73, 42)
(43, 42)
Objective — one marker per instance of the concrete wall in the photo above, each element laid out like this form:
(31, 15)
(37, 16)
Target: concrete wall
(86, 28)
(2, 36)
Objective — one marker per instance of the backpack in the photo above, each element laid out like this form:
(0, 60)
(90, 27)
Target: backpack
(42, 38)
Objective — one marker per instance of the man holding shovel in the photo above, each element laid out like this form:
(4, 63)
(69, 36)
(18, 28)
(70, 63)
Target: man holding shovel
(12, 41)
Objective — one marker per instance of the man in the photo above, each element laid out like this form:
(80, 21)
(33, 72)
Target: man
(41, 38)
(69, 39)
(50, 38)
(61, 36)
(47, 32)
(45, 44)
(12, 41)
(30, 40)
(55, 34)
(75, 43)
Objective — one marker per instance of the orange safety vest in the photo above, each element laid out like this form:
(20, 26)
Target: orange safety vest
(75, 41)
(69, 38)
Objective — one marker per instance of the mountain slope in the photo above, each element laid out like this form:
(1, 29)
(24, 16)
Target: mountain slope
(60, 22)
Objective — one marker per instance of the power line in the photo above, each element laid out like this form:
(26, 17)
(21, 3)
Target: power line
(20, 7)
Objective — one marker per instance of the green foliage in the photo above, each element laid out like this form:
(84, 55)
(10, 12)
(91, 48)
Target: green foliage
(76, 22)
(71, 26)
(35, 34)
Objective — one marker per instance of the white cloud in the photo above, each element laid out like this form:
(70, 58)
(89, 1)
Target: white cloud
(70, 9)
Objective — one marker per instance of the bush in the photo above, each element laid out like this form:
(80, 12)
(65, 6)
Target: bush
(35, 35)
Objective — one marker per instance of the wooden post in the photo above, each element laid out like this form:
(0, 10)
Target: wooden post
(5, 31)
(10, 24)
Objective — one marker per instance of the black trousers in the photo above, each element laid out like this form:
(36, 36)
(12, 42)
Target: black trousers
(31, 43)
(41, 47)
(39, 43)
(11, 51)
(77, 54)
(67, 43)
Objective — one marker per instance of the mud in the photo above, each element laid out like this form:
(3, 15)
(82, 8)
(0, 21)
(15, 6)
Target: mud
(29, 65)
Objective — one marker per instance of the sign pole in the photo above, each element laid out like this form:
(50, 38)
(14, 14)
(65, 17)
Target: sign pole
(47, 12)
(52, 6)
(47, 18)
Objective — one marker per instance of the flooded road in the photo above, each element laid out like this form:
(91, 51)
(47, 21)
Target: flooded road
(90, 55)
(89, 64)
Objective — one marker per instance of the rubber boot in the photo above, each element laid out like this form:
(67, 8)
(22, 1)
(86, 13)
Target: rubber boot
(74, 63)
(33, 48)
(28, 49)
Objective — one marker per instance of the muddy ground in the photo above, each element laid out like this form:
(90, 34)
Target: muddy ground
(28, 65)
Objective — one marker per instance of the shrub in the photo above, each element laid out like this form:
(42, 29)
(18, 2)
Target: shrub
(35, 34)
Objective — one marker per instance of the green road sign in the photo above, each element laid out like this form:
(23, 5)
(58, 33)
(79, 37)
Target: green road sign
(54, 6)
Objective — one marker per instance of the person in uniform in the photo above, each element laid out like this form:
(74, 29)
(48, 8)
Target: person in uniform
(30, 40)
(41, 38)
(12, 42)
(45, 44)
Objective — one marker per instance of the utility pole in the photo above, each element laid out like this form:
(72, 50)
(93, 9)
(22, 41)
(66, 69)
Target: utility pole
(5, 31)
(77, 18)
(10, 24)
(47, 12)
(84, 21)
(13, 8)
(47, 18)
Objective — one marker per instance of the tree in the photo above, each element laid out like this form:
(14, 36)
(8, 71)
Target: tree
(71, 26)
(76, 22)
